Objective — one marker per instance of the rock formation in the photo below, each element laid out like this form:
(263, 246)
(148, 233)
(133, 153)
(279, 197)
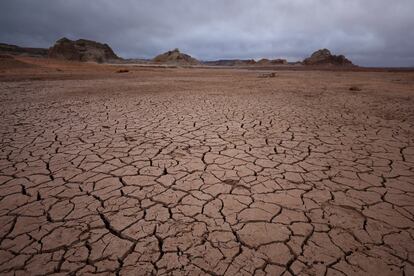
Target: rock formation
(176, 57)
(82, 50)
(324, 57)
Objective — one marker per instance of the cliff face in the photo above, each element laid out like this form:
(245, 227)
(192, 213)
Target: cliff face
(82, 50)
(176, 57)
(324, 57)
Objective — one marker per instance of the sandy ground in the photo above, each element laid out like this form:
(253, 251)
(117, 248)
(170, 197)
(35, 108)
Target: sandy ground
(205, 172)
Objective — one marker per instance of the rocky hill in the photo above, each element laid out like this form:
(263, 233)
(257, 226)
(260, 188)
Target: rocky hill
(324, 57)
(82, 50)
(175, 57)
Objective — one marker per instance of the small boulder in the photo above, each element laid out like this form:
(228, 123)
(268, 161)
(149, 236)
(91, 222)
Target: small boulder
(122, 71)
(268, 75)
(354, 88)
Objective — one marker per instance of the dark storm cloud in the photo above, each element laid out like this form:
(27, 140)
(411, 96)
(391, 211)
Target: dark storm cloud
(370, 32)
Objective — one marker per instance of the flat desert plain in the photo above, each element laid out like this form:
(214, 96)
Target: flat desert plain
(196, 171)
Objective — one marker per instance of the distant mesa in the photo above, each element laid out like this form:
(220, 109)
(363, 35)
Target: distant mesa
(230, 62)
(176, 57)
(278, 61)
(265, 61)
(220, 62)
(324, 57)
(246, 62)
(82, 50)
(8, 49)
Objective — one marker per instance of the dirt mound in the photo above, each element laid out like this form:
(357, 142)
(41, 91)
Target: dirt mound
(176, 57)
(82, 50)
(9, 62)
(324, 57)
(8, 49)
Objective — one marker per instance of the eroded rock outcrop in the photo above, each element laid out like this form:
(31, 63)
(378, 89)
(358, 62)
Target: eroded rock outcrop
(176, 57)
(82, 50)
(324, 57)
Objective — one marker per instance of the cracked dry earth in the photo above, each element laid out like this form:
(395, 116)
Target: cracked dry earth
(208, 172)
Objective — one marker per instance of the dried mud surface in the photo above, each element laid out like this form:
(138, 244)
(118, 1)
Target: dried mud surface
(207, 172)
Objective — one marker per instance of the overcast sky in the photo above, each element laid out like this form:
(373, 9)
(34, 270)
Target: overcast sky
(369, 32)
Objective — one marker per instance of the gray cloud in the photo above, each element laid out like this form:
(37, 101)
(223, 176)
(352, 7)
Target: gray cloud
(369, 32)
